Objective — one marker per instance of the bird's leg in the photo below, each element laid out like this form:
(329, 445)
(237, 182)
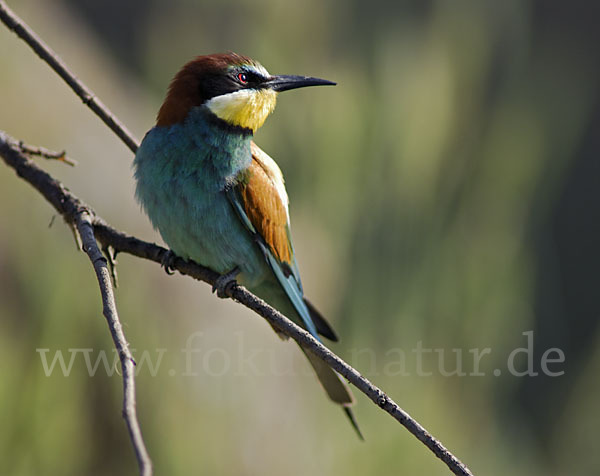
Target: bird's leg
(224, 283)
(167, 262)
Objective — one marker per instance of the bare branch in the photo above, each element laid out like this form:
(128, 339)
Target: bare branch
(83, 220)
(79, 215)
(69, 206)
(14, 23)
(111, 256)
(80, 219)
(47, 153)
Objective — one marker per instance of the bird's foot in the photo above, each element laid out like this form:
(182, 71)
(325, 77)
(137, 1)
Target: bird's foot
(167, 262)
(225, 282)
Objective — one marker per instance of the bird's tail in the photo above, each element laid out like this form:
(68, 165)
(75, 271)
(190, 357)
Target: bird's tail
(295, 306)
(335, 386)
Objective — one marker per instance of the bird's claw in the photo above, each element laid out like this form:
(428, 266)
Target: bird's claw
(225, 282)
(167, 262)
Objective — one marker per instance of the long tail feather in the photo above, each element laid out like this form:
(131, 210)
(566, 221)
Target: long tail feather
(334, 385)
(353, 422)
(323, 327)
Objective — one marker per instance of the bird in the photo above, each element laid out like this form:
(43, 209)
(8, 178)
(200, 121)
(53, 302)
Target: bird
(218, 199)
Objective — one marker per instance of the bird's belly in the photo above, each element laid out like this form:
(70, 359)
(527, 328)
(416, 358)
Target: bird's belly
(204, 227)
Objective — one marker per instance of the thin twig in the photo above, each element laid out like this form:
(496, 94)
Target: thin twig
(68, 206)
(80, 218)
(84, 220)
(65, 202)
(14, 23)
(111, 256)
(47, 153)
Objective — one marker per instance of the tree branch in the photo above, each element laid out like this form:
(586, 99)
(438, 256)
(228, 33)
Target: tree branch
(70, 207)
(47, 153)
(14, 23)
(84, 223)
(78, 214)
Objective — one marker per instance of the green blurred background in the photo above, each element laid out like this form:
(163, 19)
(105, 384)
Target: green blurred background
(443, 195)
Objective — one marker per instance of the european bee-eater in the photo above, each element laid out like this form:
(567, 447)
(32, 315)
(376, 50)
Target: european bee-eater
(218, 199)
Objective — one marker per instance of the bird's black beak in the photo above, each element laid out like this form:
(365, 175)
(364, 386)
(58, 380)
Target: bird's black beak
(285, 82)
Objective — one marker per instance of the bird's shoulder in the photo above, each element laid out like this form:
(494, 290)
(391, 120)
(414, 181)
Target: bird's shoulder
(265, 201)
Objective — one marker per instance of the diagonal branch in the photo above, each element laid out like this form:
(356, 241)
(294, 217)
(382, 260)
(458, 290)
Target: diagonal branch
(79, 216)
(69, 206)
(46, 153)
(76, 213)
(14, 23)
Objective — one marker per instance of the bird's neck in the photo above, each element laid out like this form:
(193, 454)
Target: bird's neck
(224, 147)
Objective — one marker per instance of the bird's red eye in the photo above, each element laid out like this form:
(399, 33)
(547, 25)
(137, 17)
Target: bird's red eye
(242, 78)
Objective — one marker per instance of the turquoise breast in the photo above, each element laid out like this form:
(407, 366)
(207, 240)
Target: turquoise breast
(181, 173)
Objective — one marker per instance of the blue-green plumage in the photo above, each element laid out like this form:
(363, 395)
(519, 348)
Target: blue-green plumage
(217, 199)
(182, 173)
(186, 175)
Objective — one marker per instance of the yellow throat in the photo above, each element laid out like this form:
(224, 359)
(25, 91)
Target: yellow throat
(246, 108)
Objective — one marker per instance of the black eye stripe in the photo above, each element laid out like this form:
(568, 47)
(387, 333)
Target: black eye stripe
(249, 76)
(217, 84)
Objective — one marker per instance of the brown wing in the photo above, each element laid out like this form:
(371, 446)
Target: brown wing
(265, 208)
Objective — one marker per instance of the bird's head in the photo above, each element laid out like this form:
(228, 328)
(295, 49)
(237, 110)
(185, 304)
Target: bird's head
(236, 89)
